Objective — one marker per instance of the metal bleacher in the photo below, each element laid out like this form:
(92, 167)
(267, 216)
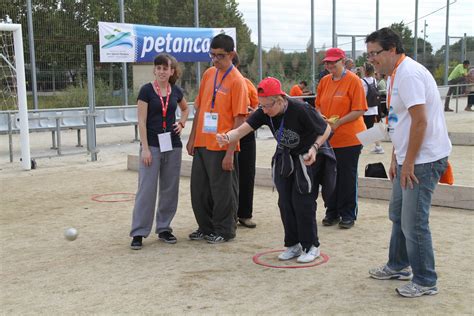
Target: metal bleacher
(56, 120)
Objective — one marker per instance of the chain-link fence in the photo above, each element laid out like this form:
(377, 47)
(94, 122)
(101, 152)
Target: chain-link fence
(63, 28)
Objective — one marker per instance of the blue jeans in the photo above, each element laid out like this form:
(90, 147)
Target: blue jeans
(409, 210)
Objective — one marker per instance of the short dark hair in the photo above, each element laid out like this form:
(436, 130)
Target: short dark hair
(165, 59)
(223, 41)
(303, 82)
(466, 62)
(387, 38)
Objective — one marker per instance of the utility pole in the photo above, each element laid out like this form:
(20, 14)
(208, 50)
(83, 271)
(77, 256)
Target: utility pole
(424, 42)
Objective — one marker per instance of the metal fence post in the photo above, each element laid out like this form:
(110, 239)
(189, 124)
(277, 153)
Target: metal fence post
(90, 118)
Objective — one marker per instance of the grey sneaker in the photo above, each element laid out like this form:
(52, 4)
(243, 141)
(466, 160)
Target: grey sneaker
(414, 290)
(291, 252)
(385, 273)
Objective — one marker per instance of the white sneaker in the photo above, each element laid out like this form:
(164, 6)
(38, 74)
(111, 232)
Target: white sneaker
(378, 150)
(291, 252)
(309, 256)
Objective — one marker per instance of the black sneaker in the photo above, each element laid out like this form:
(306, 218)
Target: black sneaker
(136, 243)
(331, 221)
(167, 237)
(216, 239)
(196, 235)
(346, 223)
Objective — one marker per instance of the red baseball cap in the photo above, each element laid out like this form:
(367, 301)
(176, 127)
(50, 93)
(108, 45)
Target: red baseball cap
(334, 54)
(269, 87)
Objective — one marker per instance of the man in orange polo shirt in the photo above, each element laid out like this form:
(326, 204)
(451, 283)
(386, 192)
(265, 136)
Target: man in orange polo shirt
(299, 89)
(221, 105)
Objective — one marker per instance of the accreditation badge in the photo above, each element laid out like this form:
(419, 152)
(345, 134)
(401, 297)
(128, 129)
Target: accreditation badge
(210, 123)
(165, 142)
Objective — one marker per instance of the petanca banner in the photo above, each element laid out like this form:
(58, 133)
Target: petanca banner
(122, 42)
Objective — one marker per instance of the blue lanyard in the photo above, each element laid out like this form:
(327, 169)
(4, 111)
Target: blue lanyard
(216, 88)
(343, 74)
(280, 129)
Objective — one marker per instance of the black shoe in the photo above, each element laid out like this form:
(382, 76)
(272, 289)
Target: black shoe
(331, 221)
(136, 243)
(167, 237)
(346, 223)
(247, 222)
(448, 110)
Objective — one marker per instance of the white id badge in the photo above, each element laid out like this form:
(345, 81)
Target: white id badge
(210, 123)
(165, 142)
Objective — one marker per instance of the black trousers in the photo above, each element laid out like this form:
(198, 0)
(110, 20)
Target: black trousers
(298, 211)
(343, 202)
(452, 90)
(214, 193)
(247, 157)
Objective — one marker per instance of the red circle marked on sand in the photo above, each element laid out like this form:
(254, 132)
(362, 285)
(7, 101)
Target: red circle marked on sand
(121, 197)
(323, 258)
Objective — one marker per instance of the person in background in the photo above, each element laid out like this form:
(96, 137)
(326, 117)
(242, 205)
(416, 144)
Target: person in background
(470, 90)
(300, 89)
(341, 100)
(160, 152)
(221, 105)
(246, 160)
(303, 160)
(457, 76)
(421, 146)
(349, 65)
(382, 87)
(371, 115)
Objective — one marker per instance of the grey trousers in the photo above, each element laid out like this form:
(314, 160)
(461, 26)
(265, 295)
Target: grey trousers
(214, 193)
(165, 168)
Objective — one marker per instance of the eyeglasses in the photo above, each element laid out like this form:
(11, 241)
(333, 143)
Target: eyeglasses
(373, 54)
(217, 56)
(267, 106)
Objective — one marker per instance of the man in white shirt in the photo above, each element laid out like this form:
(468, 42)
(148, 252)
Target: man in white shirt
(421, 147)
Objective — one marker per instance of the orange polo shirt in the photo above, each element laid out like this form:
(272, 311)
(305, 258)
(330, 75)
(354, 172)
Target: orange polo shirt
(296, 91)
(231, 101)
(253, 94)
(340, 98)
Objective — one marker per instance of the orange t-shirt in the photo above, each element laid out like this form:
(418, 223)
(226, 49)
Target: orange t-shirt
(339, 98)
(253, 94)
(231, 101)
(296, 91)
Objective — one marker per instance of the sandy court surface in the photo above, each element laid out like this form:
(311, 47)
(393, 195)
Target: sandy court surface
(41, 272)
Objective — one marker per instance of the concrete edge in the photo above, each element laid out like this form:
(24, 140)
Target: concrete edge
(455, 196)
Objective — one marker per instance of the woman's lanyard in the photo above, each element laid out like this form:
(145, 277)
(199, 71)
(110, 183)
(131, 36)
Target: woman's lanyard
(164, 106)
(392, 80)
(280, 129)
(216, 88)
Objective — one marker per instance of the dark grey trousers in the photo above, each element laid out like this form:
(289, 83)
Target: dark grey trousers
(214, 193)
(164, 173)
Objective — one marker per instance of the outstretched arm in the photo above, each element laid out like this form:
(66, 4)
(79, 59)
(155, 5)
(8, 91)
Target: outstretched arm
(234, 135)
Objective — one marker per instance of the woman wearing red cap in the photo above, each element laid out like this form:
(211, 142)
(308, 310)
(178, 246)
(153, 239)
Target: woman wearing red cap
(341, 99)
(303, 160)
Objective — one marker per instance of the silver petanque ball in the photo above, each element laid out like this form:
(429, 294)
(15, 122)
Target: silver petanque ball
(71, 234)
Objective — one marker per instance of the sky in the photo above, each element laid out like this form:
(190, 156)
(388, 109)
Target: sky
(287, 23)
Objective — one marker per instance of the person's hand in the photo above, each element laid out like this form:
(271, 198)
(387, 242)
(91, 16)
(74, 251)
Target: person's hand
(222, 139)
(177, 127)
(407, 175)
(146, 157)
(310, 156)
(334, 125)
(228, 162)
(190, 147)
(392, 171)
